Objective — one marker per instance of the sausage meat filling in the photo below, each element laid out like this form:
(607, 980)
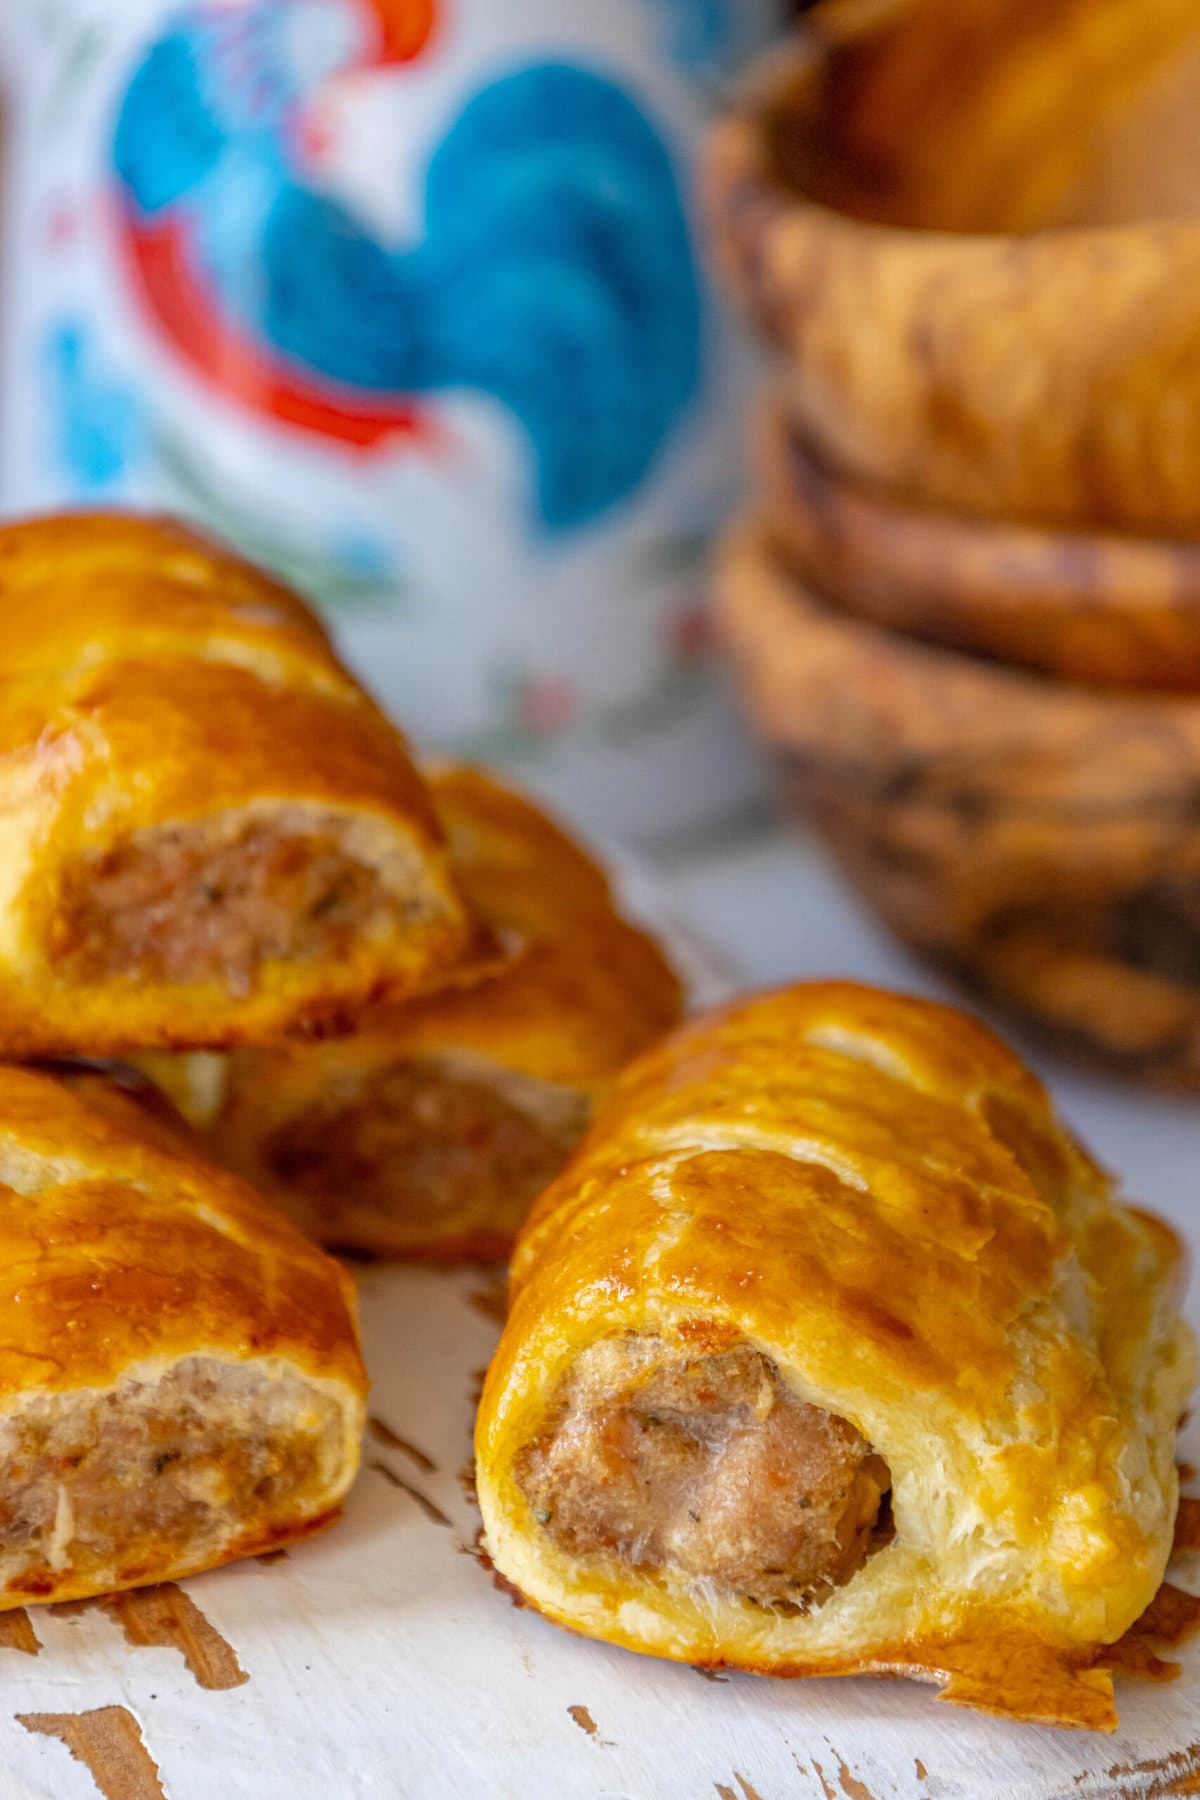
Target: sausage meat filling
(111, 1485)
(706, 1465)
(425, 1148)
(197, 903)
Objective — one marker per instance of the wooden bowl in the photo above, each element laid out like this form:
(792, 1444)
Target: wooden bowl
(1042, 840)
(1090, 606)
(910, 213)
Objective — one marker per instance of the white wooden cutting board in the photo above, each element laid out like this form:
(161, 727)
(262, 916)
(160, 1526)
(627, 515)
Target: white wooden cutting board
(380, 1662)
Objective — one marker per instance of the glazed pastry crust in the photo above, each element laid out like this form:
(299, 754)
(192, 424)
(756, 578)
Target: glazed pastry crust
(151, 683)
(130, 1266)
(571, 992)
(874, 1193)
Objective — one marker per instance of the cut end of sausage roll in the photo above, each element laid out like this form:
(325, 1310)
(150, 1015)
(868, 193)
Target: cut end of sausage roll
(212, 834)
(706, 1465)
(430, 1131)
(224, 901)
(831, 1351)
(163, 1474)
(438, 1157)
(180, 1376)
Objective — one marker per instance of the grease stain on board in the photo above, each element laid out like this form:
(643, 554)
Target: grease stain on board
(17, 1633)
(825, 1787)
(849, 1783)
(164, 1616)
(430, 1508)
(478, 1552)
(851, 1786)
(491, 1300)
(1187, 1526)
(390, 1438)
(1176, 1773)
(108, 1742)
(1170, 1619)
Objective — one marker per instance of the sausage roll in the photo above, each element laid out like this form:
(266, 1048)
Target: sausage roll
(831, 1351)
(210, 833)
(430, 1132)
(180, 1378)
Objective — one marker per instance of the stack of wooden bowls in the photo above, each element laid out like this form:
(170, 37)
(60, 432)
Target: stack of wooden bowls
(966, 617)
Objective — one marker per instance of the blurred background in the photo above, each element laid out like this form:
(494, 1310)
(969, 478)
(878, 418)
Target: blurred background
(407, 299)
(773, 431)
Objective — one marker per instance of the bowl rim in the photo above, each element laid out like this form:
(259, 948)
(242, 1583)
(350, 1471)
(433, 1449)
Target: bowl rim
(994, 710)
(890, 558)
(741, 137)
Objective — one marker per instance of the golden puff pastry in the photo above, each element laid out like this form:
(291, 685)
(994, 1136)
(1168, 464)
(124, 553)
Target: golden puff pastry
(208, 832)
(430, 1132)
(831, 1351)
(180, 1378)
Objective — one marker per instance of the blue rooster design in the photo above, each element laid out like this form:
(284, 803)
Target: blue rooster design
(555, 273)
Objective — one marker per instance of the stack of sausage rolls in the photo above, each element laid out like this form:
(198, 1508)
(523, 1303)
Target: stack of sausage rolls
(829, 1348)
(389, 1002)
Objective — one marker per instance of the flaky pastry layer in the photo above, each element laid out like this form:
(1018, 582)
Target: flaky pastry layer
(209, 833)
(180, 1376)
(430, 1131)
(872, 1197)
